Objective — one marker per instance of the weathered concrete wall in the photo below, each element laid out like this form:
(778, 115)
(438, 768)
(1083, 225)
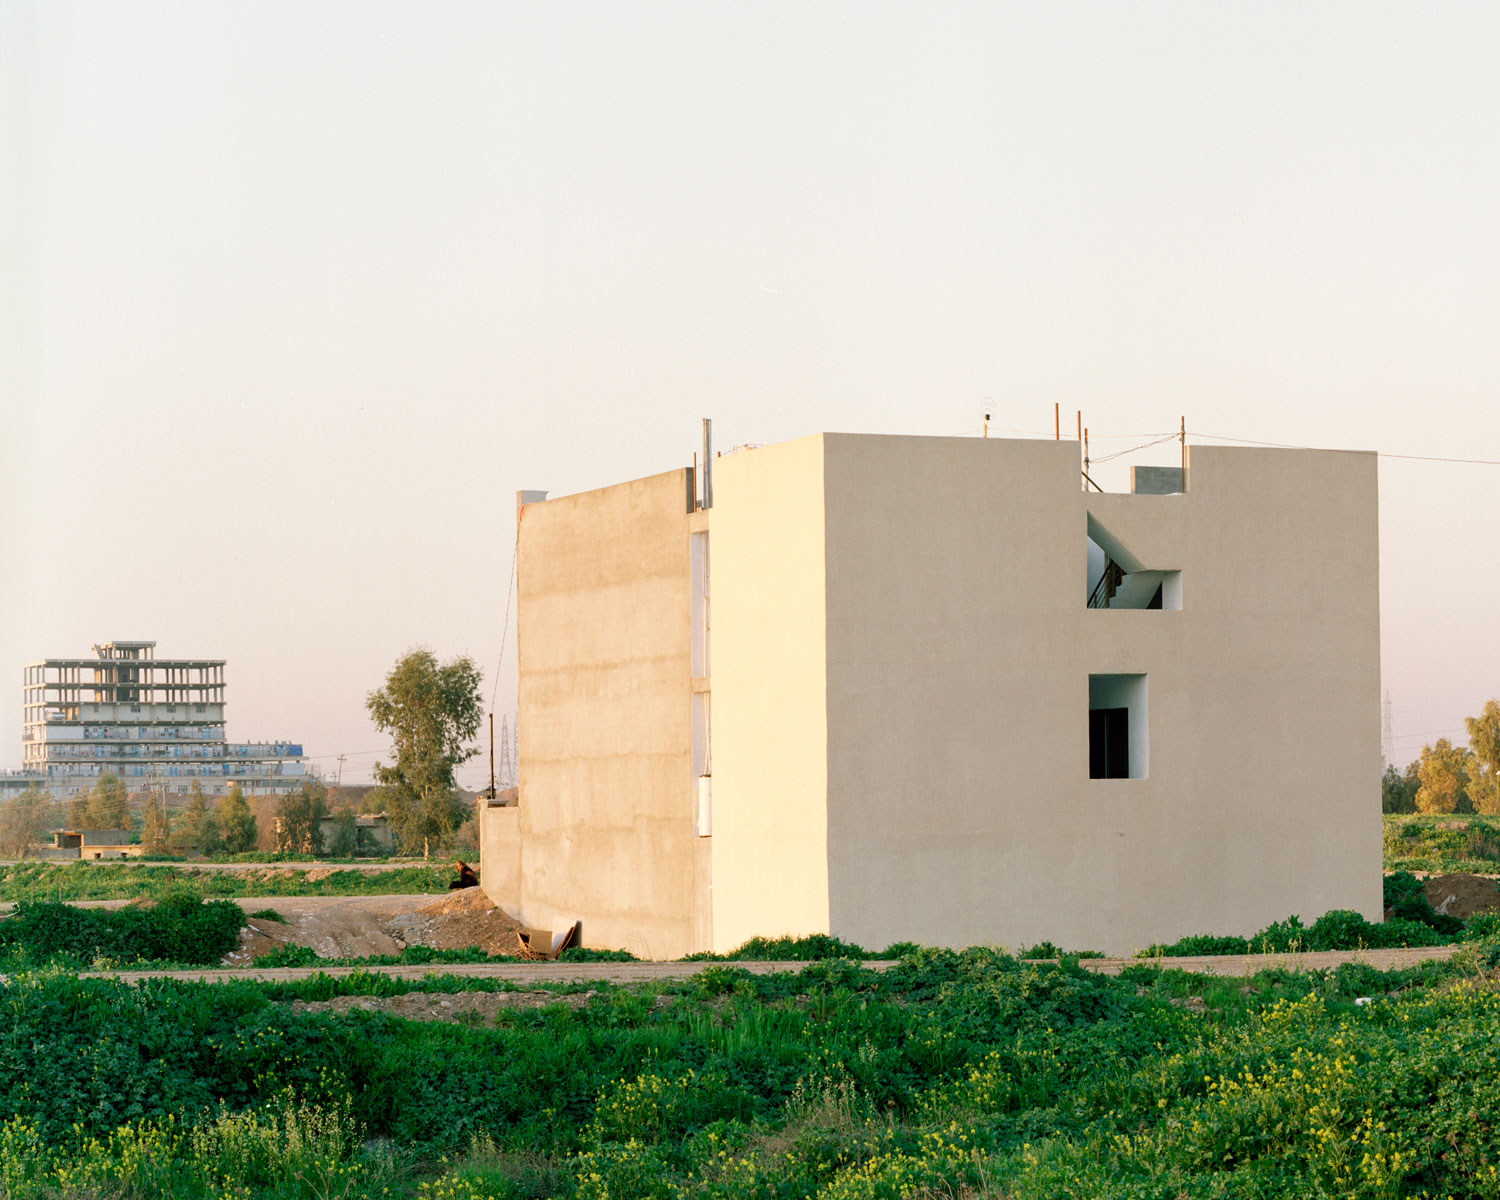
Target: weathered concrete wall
(605, 808)
(959, 651)
(500, 855)
(770, 724)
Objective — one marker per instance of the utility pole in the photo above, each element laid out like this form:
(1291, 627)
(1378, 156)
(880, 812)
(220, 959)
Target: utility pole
(340, 781)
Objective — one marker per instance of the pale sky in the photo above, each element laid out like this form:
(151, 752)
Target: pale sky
(295, 297)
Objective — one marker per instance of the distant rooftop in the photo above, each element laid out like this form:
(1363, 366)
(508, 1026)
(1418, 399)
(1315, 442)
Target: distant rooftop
(122, 649)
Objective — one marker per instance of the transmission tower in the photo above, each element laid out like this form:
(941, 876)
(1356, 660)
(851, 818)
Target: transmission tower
(505, 772)
(1387, 736)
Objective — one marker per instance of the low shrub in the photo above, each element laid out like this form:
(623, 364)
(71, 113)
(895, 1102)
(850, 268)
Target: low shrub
(1340, 929)
(180, 928)
(1404, 899)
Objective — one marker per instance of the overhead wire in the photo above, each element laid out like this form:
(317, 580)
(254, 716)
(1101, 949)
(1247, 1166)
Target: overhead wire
(1478, 462)
(510, 591)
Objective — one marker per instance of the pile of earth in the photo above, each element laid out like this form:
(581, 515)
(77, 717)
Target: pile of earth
(360, 926)
(464, 918)
(1462, 896)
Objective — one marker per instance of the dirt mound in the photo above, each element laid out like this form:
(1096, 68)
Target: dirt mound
(1462, 896)
(465, 918)
(358, 926)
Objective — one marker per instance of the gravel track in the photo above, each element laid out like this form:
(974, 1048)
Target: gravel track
(1231, 965)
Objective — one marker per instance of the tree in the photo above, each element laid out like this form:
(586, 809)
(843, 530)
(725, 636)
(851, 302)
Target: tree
(1398, 789)
(78, 807)
(197, 829)
(236, 823)
(157, 833)
(108, 806)
(431, 712)
(24, 821)
(299, 819)
(1484, 765)
(1442, 770)
(345, 839)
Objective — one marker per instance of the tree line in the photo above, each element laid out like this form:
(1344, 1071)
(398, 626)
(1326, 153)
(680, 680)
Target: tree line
(431, 710)
(1446, 778)
(27, 820)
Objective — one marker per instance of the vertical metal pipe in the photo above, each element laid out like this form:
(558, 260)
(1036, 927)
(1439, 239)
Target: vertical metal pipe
(1056, 422)
(708, 464)
(1182, 437)
(492, 757)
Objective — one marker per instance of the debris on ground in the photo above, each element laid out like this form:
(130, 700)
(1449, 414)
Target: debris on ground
(464, 1007)
(360, 926)
(465, 918)
(1462, 896)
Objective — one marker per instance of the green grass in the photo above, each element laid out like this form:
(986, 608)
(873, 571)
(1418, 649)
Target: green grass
(91, 881)
(1439, 844)
(953, 1074)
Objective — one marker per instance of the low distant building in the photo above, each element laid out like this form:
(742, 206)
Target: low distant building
(372, 833)
(92, 843)
(156, 723)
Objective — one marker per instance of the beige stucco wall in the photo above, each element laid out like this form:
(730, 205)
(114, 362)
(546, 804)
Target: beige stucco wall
(959, 649)
(500, 855)
(900, 656)
(770, 726)
(604, 818)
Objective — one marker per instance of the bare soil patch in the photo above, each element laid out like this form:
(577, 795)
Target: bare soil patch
(359, 926)
(1460, 895)
(467, 1007)
(463, 918)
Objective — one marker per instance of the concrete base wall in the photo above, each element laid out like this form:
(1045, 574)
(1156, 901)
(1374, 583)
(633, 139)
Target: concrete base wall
(500, 855)
(604, 819)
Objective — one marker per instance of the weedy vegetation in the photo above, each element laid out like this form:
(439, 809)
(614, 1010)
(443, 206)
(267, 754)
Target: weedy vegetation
(1443, 842)
(969, 1074)
(116, 881)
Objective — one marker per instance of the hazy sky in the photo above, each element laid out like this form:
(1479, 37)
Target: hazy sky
(294, 297)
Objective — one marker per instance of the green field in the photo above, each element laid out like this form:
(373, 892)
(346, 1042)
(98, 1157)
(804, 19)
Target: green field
(951, 1075)
(131, 881)
(1439, 844)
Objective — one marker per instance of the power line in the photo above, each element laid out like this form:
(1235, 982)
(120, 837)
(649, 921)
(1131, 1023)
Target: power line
(1478, 462)
(505, 626)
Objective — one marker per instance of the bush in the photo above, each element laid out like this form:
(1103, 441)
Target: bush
(789, 949)
(180, 928)
(1404, 899)
(1340, 929)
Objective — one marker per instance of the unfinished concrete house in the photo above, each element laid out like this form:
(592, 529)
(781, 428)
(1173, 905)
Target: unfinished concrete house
(928, 689)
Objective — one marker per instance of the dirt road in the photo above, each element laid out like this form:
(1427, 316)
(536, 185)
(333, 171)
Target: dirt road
(1231, 965)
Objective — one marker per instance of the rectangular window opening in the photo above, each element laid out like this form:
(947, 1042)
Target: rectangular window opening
(1115, 578)
(1119, 746)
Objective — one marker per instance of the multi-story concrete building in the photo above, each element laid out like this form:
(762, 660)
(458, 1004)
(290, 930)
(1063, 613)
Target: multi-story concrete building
(947, 696)
(157, 723)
